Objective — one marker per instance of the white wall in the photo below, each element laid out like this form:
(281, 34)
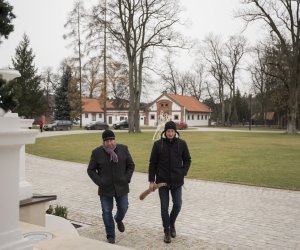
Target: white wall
(88, 120)
(154, 121)
(115, 115)
(197, 119)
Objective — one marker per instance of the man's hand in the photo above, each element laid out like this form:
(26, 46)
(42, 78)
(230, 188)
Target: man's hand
(151, 186)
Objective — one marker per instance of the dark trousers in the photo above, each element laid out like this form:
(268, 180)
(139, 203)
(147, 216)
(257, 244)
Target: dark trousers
(164, 195)
(107, 204)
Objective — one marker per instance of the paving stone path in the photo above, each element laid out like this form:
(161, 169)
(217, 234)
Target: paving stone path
(214, 215)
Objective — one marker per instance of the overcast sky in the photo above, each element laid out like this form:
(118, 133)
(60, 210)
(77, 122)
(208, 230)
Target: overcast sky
(43, 21)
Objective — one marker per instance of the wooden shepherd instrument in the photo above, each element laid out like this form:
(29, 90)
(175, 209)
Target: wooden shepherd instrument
(148, 191)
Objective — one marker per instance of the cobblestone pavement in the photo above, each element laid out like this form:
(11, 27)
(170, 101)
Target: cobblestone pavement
(214, 215)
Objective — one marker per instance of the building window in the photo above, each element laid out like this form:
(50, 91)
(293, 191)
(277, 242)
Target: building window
(86, 115)
(188, 117)
(121, 118)
(176, 117)
(161, 104)
(205, 117)
(166, 104)
(192, 117)
(100, 115)
(93, 117)
(152, 117)
(198, 117)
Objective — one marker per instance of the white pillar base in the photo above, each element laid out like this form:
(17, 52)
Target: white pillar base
(13, 240)
(25, 190)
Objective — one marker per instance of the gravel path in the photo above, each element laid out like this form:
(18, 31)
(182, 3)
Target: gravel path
(214, 215)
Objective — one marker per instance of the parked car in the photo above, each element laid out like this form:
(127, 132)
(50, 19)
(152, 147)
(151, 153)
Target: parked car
(121, 124)
(181, 125)
(58, 125)
(96, 125)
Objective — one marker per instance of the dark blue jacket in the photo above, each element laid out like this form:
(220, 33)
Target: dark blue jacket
(169, 162)
(112, 178)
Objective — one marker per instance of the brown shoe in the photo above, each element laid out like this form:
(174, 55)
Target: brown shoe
(167, 238)
(173, 231)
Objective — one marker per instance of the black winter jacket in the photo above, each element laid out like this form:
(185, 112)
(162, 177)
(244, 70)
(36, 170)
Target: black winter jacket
(112, 178)
(169, 162)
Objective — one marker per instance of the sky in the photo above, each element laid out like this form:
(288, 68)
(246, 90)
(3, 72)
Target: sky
(43, 21)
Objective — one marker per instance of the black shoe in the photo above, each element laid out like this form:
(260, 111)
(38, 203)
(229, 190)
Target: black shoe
(167, 238)
(111, 240)
(121, 226)
(173, 232)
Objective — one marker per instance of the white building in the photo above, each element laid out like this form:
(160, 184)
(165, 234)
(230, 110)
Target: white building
(179, 108)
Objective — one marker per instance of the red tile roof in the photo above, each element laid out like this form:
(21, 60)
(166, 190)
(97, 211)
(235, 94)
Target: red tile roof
(92, 105)
(190, 103)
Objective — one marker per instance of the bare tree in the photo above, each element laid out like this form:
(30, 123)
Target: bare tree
(235, 50)
(175, 81)
(50, 81)
(170, 76)
(118, 78)
(197, 80)
(282, 17)
(74, 24)
(182, 82)
(91, 77)
(259, 77)
(214, 55)
(139, 26)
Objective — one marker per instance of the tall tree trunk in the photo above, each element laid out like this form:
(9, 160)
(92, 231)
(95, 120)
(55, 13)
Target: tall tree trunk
(131, 98)
(222, 104)
(138, 92)
(229, 118)
(263, 109)
(292, 113)
(234, 115)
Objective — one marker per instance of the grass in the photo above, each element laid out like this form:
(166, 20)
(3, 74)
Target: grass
(260, 159)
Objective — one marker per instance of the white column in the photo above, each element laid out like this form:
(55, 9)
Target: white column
(12, 139)
(25, 188)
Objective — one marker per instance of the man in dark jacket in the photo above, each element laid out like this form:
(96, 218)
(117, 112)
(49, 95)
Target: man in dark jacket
(169, 163)
(111, 168)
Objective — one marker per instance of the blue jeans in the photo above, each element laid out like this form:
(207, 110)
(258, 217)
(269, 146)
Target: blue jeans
(107, 207)
(164, 195)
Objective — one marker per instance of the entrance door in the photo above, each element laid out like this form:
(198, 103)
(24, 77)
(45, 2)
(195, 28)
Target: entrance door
(110, 120)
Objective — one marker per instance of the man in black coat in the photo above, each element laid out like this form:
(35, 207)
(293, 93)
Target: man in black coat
(169, 163)
(111, 168)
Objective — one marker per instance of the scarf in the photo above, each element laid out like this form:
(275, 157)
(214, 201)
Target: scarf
(111, 152)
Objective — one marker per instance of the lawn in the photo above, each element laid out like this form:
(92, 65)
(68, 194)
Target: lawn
(260, 159)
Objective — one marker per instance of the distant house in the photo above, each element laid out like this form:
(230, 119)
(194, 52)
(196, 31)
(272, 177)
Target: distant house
(92, 111)
(179, 108)
(115, 111)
